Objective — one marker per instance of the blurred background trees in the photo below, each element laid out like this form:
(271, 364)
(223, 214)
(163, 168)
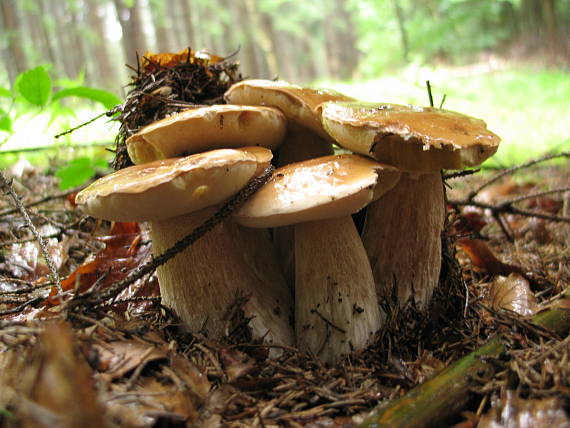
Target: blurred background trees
(297, 40)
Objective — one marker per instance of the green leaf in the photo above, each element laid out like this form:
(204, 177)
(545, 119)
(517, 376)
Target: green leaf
(6, 93)
(5, 121)
(108, 99)
(75, 173)
(34, 85)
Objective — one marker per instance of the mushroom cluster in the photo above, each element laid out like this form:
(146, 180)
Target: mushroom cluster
(293, 249)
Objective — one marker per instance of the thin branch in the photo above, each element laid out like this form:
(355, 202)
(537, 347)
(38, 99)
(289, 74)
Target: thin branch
(508, 208)
(42, 200)
(458, 174)
(90, 121)
(6, 186)
(513, 169)
(536, 195)
(430, 95)
(22, 306)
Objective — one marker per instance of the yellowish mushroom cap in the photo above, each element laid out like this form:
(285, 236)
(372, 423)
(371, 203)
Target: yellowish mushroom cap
(206, 128)
(409, 137)
(317, 189)
(296, 102)
(171, 187)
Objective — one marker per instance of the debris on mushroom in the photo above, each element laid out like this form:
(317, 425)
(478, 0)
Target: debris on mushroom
(336, 308)
(206, 128)
(200, 284)
(402, 232)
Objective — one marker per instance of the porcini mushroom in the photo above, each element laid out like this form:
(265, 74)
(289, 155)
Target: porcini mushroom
(336, 309)
(200, 284)
(206, 128)
(402, 233)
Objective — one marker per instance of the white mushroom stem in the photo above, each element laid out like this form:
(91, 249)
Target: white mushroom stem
(202, 282)
(336, 308)
(299, 145)
(402, 236)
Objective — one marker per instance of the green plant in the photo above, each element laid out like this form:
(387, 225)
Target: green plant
(33, 93)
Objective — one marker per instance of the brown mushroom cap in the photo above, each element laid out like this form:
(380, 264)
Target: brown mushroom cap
(316, 189)
(207, 128)
(409, 137)
(171, 187)
(297, 103)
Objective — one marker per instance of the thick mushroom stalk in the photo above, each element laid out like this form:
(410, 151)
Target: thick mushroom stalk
(336, 308)
(402, 236)
(204, 283)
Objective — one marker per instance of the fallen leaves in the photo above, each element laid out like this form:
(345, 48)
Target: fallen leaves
(120, 255)
(514, 294)
(50, 384)
(513, 412)
(483, 259)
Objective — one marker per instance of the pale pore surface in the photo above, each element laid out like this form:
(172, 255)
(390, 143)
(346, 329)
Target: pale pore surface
(402, 236)
(202, 282)
(333, 281)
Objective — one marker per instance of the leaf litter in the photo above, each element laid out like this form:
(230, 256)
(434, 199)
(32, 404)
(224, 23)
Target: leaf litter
(130, 361)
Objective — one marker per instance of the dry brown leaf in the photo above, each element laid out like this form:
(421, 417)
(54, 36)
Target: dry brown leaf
(52, 386)
(115, 359)
(194, 381)
(498, 191)
(514, 412)
(150, 61)
(236, 364)
(483, 258)
(120, 255)
(151, 403)
(514, 294)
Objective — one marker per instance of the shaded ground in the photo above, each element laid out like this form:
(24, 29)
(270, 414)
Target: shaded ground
(80, 360)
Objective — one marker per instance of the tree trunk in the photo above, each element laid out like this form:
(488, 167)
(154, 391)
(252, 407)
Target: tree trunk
(187, 17)
(107, 78)
(13, 28)
(268, 57)
(247, 52)
(551, 25)
(162, 26)
(82, 62)
(134, 41)
(402, 29)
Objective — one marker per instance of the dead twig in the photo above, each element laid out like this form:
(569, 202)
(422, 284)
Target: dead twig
(513, 169)
(508, 208)
(7, 188)
(40, 201)
(21, 307)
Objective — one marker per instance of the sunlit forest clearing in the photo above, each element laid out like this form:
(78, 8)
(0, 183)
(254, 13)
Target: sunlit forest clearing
(281, 213)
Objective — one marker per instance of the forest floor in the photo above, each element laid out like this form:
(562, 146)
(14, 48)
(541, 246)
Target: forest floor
(83, 356)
